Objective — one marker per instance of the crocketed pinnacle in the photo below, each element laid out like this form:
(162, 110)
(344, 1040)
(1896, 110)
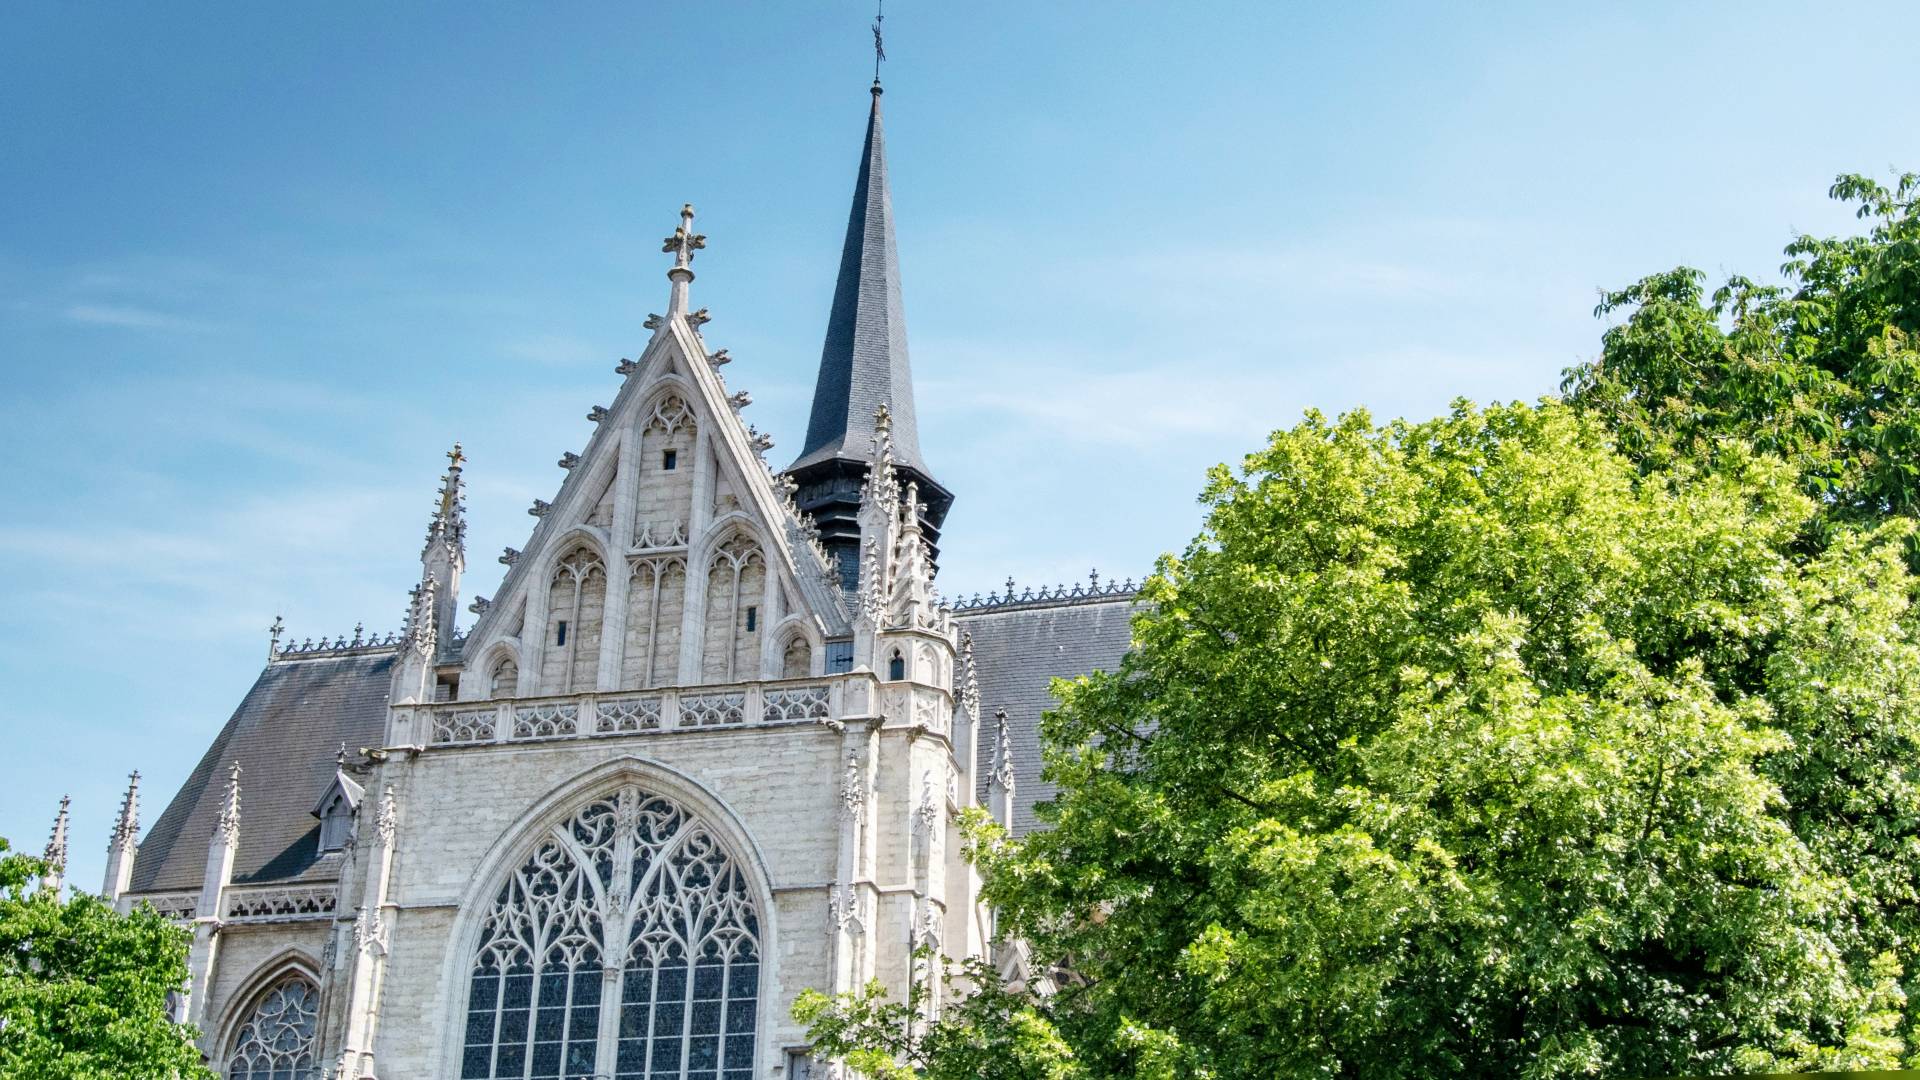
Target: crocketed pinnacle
(863, 364)
(56, 853)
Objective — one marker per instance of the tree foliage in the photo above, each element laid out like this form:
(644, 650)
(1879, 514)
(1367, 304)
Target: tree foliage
(83, 988)
(1823, 371)
(1472, 748)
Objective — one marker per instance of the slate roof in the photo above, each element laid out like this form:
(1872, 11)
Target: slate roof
(1018, 650)
(864, 361)
(284, 734)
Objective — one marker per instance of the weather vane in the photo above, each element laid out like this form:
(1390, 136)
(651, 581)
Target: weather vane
(879, 44)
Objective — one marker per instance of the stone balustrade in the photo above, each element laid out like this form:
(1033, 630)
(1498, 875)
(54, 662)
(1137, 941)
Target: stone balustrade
(639, 712)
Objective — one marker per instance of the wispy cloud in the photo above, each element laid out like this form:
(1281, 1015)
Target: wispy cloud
(132, 318)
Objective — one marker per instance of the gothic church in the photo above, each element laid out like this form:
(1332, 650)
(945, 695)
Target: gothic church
(704, 749)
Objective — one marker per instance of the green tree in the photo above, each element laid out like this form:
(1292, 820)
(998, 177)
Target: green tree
(1471, 747)
(83, 988)
(1823, 371)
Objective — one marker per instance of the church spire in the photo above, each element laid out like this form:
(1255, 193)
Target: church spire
(863, 366)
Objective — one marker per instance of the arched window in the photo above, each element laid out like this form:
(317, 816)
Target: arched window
(276, 1042)
(636, 884)
(897, 667)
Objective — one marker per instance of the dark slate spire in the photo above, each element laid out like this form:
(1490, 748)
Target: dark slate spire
(863, 366)
(864, 363)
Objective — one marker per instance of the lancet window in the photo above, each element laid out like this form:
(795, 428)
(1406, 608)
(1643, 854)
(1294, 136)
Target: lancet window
(276, 1042)
(626, 946)
(735, 581)
(576, 603)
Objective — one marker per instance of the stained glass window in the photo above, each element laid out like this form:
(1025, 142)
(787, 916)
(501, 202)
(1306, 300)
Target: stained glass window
(629, 918)
(276, 1042)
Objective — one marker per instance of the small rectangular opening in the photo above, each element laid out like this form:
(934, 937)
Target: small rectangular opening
(560, 638)
(753, 619)
(669, 459)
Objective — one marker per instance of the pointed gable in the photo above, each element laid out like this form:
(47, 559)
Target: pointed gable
(619, 587)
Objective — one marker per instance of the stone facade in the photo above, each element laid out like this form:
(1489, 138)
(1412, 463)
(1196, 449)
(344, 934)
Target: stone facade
(693, 758)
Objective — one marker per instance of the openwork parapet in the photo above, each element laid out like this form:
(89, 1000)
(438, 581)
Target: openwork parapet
(636, 712)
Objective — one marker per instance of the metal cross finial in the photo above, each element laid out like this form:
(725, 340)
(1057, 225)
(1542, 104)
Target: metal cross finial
(455, 458)
(879, 44)
(684, 241)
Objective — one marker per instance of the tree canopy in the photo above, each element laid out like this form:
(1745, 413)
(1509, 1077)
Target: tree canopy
(1555, 740)
(1468, 747)
(83, 988)
(1823, 370)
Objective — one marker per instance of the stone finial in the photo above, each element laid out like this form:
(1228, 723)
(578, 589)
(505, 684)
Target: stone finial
(684, 241)
(228, 823)
(449, 524)
(56, 853)
(1002, 774)
(969, 677)
(126, 828)
(387, 819)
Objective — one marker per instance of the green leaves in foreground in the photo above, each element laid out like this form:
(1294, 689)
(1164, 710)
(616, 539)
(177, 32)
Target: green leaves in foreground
(1469, 748)
(83, 989)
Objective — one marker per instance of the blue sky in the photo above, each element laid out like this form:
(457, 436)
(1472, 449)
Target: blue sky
(261, 264)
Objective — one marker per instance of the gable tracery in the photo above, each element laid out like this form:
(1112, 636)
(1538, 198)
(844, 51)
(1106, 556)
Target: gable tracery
(576, 604)
(656, 599)
(630, 918)
(736, 609)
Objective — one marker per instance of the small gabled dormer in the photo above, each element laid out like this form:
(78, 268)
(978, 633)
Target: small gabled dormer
(335, 810)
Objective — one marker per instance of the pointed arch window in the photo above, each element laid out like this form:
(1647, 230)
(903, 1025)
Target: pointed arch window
(276, 1042)
(627, 945)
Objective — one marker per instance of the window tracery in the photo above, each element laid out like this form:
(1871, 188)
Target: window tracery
(276, 1042)
(632, 910)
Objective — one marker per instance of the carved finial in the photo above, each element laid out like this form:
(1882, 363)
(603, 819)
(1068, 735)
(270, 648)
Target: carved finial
(684, 241)
(969, 677)
(340, 757)
(387, 819)
(449, 522)
(273, 636)
(1002, 775)
(759, 440)
(56, 853)
(126, 829)
(228, 823)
